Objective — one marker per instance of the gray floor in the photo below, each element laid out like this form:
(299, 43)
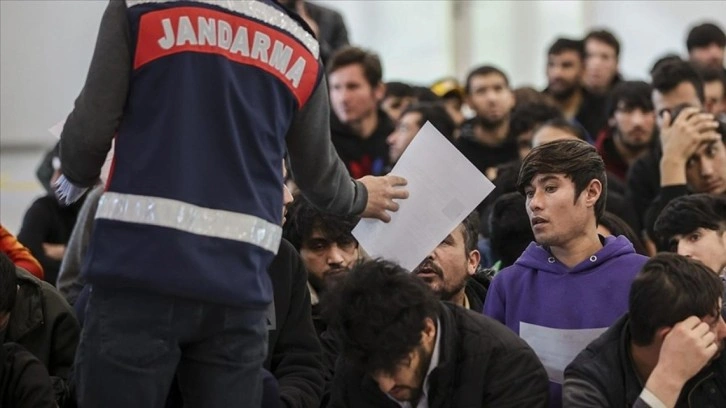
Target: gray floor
(18, 185)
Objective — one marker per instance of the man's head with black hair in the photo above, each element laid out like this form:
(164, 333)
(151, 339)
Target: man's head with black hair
(714, 90)
(525, 119)
(557, 129)
(448, 267)
(386, 322)
(676, 83)
(325, 242)
(8, 290)
(669, 289)
(398, 97)
(632, 116)
(509, 229)
(602, 53)
(565, 67)
(411, 121)
(695, 226)
(706, 43)
(488, 93)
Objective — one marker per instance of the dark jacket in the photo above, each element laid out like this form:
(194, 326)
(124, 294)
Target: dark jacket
(603, 375)
(483, 156)
(332, 32)
(476, 290)
(362, 157)
(47, 221)
(643, 183)
(482, 364)
(43, 323)
(24, 381)
(294, 354)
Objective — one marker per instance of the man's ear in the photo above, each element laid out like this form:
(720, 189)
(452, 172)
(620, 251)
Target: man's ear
(473, 262)
(429, 331)
(592, 192)
(660, 334)
(379, 91)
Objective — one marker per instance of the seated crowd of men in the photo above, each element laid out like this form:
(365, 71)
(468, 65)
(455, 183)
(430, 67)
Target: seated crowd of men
(552, 292)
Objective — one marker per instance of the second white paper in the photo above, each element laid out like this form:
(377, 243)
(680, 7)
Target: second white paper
(444, 187)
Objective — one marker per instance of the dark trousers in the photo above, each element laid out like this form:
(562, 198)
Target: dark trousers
(133, 343)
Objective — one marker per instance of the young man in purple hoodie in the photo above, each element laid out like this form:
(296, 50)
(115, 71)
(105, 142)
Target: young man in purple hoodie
(571, 284)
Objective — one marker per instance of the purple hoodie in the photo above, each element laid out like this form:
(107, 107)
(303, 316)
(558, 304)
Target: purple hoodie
(557, 310)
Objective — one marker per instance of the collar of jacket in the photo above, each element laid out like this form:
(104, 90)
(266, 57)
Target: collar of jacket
(27, 312)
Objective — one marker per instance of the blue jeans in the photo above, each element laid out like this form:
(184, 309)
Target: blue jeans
(133, 343)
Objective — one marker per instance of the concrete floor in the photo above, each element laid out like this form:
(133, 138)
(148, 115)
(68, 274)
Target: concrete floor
(18, 185)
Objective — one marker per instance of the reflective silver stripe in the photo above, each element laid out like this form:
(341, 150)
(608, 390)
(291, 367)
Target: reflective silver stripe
(164, 212)
(257, 10)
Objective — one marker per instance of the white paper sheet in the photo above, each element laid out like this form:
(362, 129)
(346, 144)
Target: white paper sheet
(444, 188)
(556, 348)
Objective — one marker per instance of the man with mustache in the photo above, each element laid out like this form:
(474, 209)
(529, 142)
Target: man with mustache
(631, 128)
(450, 270)
(326, 245)
(665, 352)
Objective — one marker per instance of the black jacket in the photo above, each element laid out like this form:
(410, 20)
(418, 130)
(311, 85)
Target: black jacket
(44, 323)
(476, 291)
(602, 375)
(482, 364)
(643, 183)
(294, 354)
(47, 221)
(362, 157)
(24, 381)
(332, 32)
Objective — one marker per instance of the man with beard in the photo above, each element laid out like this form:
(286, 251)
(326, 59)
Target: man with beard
(326, 245)
(706, 44)
(665, 352)
(403, 348)
(450, 270)
(631, 131)
(484, 139)
(565, 70)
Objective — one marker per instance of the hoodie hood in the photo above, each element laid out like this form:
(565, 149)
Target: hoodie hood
(538, 258)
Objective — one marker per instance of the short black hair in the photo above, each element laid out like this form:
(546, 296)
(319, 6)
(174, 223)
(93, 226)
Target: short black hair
(567, 44)
(303, 218)
(576, 159)
(509, 229)
(670, 74)
(704, 35)
(605, 36)
(528, 116)
(670, 57)
(632, 95)
(668, 289)
(483, 70)
(686, 214)
(377, 314)
(424, 94)
(617, 226)
(471, 231)
(564, 125)
(712, 75)
(436, 114)
(368, 60)
(398, 89)
(8, 284)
